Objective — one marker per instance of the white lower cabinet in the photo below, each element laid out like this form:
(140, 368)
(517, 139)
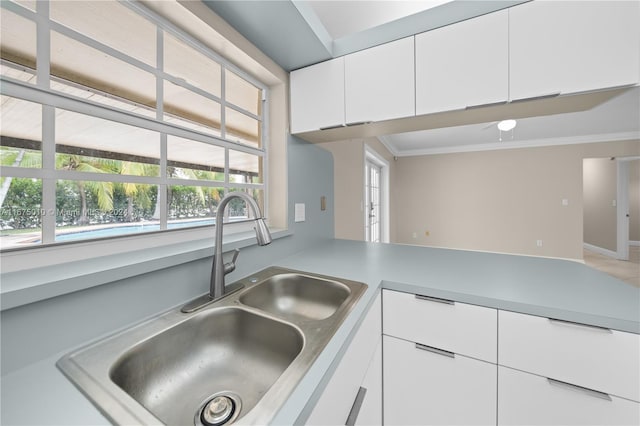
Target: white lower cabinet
(370, 413)
(350, 395)
(439, 361)
(592, 357)
(528, 399)
(423, 387)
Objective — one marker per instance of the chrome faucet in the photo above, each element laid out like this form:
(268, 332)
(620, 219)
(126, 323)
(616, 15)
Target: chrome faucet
(219, 269)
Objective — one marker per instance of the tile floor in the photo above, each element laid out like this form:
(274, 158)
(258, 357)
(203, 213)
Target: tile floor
(628, 271)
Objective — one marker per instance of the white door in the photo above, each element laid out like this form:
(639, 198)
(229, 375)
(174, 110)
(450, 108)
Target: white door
(372, 201)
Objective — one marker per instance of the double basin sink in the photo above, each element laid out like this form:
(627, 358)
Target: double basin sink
(236, 360)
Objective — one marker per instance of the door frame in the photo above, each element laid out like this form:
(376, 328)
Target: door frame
(622, 207)
(372, 155)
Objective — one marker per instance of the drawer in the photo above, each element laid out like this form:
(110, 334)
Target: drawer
(527, 399)
(455, 327)
(596, 358)
(423, 387)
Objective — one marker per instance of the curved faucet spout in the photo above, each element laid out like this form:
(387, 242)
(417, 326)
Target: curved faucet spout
(263, 236)
(219, 269)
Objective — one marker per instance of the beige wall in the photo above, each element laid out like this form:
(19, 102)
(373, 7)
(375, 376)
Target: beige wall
(501, 201)
(600, 192)
(348, 159)
(634, 201)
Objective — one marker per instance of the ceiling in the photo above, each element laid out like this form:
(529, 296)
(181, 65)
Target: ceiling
(615, 119)
(298, 33)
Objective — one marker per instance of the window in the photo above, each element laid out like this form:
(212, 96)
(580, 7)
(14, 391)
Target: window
(114, 122)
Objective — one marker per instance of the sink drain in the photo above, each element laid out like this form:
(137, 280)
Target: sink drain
(218, 409)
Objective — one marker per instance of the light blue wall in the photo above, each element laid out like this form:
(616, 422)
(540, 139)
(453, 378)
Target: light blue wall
(39, 330)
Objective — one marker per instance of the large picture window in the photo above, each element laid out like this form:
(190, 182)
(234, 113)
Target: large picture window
(115, 122)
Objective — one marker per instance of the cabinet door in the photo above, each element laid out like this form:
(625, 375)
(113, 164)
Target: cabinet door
(335, 403)
(573, 46)
(370, 413)
(527, 399)
(464, 64)
(379, 82)
(426, 388)
(317, 96)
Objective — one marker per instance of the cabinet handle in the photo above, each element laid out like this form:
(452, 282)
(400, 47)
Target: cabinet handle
(584, 390)
(358, 123)
(486, 105)
(355, 408)
(580, 325)
(535, 98)
(337, 126)
(435, 350)
(435, 299)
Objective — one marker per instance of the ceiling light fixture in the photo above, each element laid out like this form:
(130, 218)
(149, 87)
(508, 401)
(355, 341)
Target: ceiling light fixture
(506, 125)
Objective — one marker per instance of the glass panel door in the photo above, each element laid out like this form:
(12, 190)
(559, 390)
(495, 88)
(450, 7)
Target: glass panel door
(372, 191)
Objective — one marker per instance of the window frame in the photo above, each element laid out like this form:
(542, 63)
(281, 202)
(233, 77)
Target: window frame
(50, 99)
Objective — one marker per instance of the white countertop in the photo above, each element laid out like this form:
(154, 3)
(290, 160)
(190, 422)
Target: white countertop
(546, 287)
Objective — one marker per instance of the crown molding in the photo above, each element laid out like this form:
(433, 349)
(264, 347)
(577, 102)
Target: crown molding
(532, 143)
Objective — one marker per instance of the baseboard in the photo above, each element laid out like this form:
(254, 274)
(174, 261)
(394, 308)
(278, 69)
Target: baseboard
(634, 243)
(600, 250)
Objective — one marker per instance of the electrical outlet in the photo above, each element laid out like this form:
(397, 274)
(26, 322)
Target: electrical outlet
(565, 202)
(415, 235)
(539, 243)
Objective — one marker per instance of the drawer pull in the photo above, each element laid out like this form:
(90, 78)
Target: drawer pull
(586, 391)
(358, 123)
(485, 105)
(577, 324)
(435, 350)
(535, 98)
(337, 126)
(435, 299)
(355, 408)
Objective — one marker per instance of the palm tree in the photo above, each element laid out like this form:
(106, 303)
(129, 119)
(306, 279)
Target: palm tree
(210, 194)
(183, 173)
(23, 158)
(102, 190)
(133, 190)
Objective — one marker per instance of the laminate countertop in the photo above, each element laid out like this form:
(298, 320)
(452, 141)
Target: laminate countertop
(553, 288)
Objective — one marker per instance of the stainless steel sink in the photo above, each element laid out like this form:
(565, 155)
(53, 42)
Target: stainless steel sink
(242, 352)
(297, 295)
(238, 359)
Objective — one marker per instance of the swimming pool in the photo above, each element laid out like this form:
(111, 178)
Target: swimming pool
(131, 229)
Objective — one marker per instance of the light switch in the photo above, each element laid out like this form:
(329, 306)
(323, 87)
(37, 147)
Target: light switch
(299, 214)
(565, 202)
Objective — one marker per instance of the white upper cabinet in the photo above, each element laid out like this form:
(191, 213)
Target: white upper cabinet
(573, 46)
(317, 96)
(379, 82)
(464, 64)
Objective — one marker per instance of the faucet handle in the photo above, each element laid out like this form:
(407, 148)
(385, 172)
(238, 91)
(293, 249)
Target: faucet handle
(231, 266)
